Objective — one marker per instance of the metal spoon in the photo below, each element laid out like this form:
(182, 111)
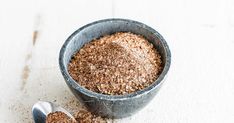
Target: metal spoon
(41, 109)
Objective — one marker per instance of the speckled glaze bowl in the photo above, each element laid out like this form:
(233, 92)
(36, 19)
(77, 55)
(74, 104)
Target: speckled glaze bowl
(106, 105)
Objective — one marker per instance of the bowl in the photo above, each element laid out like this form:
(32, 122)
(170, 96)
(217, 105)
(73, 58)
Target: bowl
(113, 106)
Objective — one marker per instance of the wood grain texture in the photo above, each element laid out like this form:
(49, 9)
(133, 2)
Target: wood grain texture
(200, 84)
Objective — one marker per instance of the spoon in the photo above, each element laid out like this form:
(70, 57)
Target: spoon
(41, 109)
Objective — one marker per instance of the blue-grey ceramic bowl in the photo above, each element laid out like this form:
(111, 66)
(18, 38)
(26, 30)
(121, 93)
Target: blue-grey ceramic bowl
(106, 105)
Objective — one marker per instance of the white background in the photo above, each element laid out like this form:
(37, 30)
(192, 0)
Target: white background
(200, 34)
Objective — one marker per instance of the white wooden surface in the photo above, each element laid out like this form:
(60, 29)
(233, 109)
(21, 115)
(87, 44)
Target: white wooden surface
(200, 33)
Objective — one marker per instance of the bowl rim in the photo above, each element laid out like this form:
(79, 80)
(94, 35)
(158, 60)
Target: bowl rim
(69, 80)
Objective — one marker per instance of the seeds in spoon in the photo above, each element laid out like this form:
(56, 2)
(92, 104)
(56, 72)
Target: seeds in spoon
(59, 117)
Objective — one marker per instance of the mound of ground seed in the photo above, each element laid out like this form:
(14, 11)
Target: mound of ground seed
(59, 117)
(82, 116)
(116, 64)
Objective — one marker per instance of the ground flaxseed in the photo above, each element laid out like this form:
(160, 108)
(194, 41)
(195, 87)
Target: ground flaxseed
(116, 64)
(82, 116)
(59, 117)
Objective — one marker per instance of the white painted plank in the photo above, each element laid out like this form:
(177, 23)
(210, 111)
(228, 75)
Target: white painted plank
(200, 85)
(33, 69)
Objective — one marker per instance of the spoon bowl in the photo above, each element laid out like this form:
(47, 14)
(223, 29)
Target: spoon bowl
(41, 109)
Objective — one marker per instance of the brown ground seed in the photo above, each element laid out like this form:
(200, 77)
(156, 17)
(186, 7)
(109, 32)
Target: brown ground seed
(84, 116)
(81, 116)
(116, 64)
(59, 117)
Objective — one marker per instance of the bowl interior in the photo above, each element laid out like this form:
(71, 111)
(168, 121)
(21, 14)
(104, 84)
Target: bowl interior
(104, 27)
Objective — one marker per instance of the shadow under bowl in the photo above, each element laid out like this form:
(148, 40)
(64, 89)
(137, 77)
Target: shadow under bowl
(113, 106)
